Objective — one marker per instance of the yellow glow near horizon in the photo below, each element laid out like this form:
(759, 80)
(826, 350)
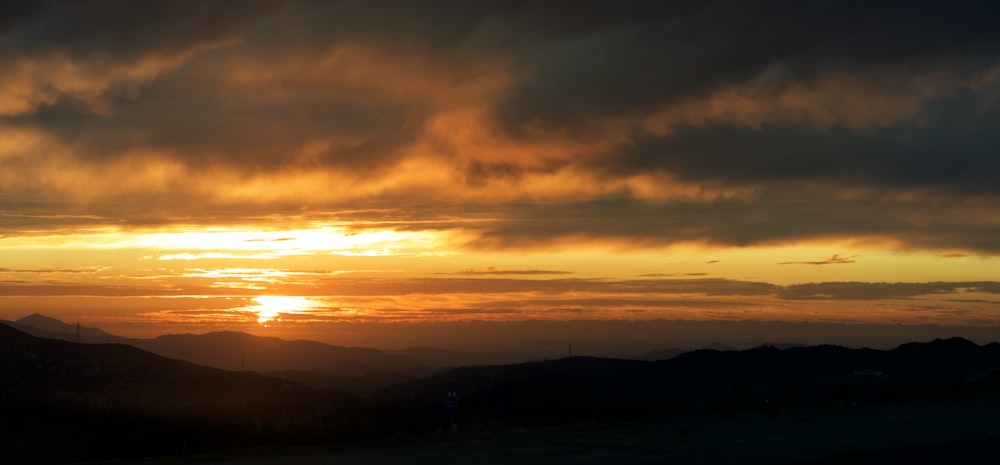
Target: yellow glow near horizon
(270, 307)
(240, 242)
(286, 273)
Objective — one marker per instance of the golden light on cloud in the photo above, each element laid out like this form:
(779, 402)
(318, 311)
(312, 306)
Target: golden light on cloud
(243, 242)
(270, 308)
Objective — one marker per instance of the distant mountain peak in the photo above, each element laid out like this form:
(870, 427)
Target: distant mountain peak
(37, 318)
(955, 343)
(46, 323)
(52, 327)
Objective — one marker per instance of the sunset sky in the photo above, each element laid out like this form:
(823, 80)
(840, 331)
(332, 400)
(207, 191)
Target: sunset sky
(283, 168)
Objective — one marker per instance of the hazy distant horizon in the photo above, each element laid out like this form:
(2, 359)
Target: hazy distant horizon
(600, 338)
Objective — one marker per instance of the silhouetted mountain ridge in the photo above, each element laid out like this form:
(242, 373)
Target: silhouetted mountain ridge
(232, 350)
(766, 378)
(123, 400)
(40, 325)
(113, 400)
(235, 351)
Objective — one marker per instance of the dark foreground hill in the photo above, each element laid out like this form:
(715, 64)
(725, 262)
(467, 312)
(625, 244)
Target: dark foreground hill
(62, 401)
(765, 379)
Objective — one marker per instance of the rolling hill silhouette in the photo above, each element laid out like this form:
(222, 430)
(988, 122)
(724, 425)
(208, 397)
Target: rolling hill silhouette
(762, 379)
(99, 401)
(235, 351)
(40, 325)
(229, 350)
(113, 400)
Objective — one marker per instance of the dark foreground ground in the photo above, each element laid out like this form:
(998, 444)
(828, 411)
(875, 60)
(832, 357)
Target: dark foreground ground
(947, 433)
(933, 402)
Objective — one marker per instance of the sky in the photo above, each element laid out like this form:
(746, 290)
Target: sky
(355, 171)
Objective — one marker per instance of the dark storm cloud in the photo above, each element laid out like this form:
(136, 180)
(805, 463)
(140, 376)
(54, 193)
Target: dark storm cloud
(89, 55)
(949, 151)
(494, 25)
(897, 50)
(120, 77)
(778, 217)
(250, 135)
(574, 63)
(477, 172)
(121, 29)
(832, 95)
(879, 291)
(629, 67)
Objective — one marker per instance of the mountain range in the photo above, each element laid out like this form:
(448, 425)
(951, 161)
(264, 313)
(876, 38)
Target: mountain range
(112, 400)
(100, 400)
(585, 389)
(231, 350)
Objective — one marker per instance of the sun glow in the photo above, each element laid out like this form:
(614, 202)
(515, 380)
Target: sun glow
(243, 242)
(269, 308)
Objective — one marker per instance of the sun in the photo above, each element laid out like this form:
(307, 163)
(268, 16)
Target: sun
(270, 307)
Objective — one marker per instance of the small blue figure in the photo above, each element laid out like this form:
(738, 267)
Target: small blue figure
(451, 402)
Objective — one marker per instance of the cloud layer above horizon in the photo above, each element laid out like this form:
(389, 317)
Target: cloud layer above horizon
(520, 123)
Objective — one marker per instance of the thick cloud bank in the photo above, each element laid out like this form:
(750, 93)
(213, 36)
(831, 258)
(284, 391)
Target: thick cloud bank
(648, 123)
